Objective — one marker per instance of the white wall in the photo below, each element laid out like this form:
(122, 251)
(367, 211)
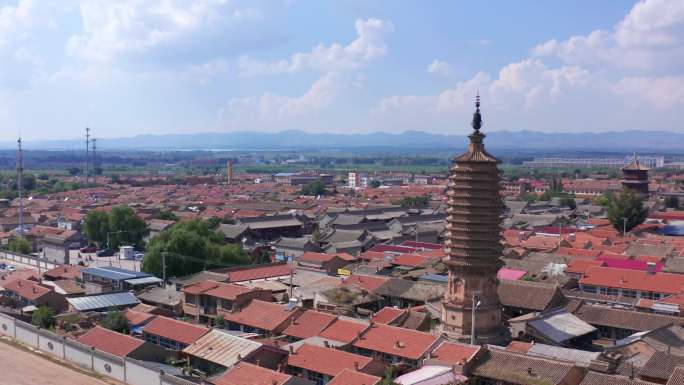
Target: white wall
(78, 354)
(6, 325)
(26, 334)
(110, 366)
(50, 343)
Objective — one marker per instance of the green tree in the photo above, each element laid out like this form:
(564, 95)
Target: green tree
(96, 226)
(166, 215)
(390, 375)
(190, 247)
(627, 211)
(73, 171)
(43, 176)
(568, 201)
(20, 245)
(375, 183)
(28, 181)
(115, 320)
(126, 228)
(43, 317)
(314, 188)
(414, 202)
(220, 321)
(602, 200)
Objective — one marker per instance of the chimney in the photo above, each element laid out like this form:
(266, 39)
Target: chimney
(258, 362)
(356, 365)
(326, 343)
(292, 349)
(650, 268)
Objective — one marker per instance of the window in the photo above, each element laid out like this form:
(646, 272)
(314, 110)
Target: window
(612, 291)
(191, 299)
(589, 289)
(629, 293)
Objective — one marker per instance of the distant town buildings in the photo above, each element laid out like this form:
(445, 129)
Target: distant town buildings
(571, 163)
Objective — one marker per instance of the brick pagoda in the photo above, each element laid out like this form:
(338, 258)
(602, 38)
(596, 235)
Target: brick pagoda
(635, 177)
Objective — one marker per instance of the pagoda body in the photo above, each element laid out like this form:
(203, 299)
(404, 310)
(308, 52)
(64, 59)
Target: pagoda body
(472, 243)
(635, 177)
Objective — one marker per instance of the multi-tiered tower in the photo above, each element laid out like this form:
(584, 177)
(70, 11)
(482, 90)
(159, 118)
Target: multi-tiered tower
(472, 244)
(635, 177)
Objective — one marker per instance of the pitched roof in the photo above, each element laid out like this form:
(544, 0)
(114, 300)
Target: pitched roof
(595, 378)
(229, 291)
(259, 272)
(199, 287)
(30, 290)
(309, 324)
(633, 279)
(527, 295)
(344, 330)
(661, 365)
(367, 282)
(64, 272)
(580, 266)
(110, 341)
(175, 330)
(453, 353)
(517, 368)
(677, 377)
(401, 342)
(387, 314)
(624, 319)
(262, 315)
(221, 347)
(326, 360)
(137, 317)
(351, 377)
(245, 373)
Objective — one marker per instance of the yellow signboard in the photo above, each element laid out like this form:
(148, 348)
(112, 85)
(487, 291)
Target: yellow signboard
(344, 272)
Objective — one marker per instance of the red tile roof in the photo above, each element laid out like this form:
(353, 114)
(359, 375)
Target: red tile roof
(343, 330)
(110, 341)
(183, 332)
(137, 317)
(387, 314)
(351, 377)
(64, 272)
(309, 324)
(454, 353)
(259, 273)
(633, 279)
(580, 266)
(30, 290)
(199, 287)
(326, 360)
(367, 282)
(229, 291)
(582, 253)
(411, 260)
(400, 342)
(262, 315)
(249, 374)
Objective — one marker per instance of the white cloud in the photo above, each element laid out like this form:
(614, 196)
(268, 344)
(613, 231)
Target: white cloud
(271, 107)
(172, 31)
(649, 38)
(439, 67)
(662, 93)
(369, 45)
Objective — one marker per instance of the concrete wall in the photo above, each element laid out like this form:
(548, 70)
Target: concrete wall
(27, 260)
(126, 370)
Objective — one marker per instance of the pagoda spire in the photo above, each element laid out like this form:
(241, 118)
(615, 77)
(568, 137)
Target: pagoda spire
(477, 117)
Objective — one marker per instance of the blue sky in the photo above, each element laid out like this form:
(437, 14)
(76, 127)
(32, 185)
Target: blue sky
(128, 67)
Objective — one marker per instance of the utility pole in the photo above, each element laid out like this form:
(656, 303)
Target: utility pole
(560, 233)
(95, 157)
(291, 278)
(20, 186)
(472, 321)
(163, 255)
(624, 227)
(87, 154)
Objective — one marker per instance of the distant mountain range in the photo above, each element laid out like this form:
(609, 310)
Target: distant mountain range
(651, 141)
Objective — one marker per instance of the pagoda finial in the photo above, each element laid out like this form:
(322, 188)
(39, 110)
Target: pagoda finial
(477, 118)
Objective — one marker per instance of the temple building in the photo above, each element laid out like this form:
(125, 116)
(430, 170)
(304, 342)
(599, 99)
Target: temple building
(472, 244)
(635, 177)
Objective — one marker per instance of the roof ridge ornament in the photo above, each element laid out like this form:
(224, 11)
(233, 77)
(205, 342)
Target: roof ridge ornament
(477, 117)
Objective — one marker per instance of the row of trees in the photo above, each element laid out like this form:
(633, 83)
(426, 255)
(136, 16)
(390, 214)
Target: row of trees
(189, 247)
(119, 227)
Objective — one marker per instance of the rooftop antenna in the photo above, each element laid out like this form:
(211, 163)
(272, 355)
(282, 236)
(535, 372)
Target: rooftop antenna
(20, 187)
(87, 154)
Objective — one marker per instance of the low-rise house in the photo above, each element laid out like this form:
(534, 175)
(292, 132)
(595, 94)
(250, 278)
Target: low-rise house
(137, 320)
(594, 378)
(503, 367)
(631, 283)
(329, 263)
(217, 350)
(294, 247)
(109, 278)
(70, 272)
(168, 300)
(309, 324)
(321, 364)
(121, 345)
(352, 377)
(556, 327)
(208, 299)
(344, 330)
(246, 373)
(454, 355)
(522, 297)
(172, 334)
(257, 273)
(403, 293)
(56, 246)
(265, 318)
(29, 295)
(396, 345)
(156, 226)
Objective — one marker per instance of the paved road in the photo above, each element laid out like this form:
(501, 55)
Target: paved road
(23, 368)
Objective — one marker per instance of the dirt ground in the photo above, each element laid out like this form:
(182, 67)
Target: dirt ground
(18, 367)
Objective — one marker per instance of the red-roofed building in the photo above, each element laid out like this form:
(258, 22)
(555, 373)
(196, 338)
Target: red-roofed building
(118, 344)
(393, 344)
(206, 300)
(422, 245)
(258, 273)
(172, 334)
(367, 282)
(387, 315)
(351, 377)
(309, 324)
(510, 274)
(266, 318)
(410, 260)
(453, 354)
(63, 272)
(137, 319)
(578, 253)
(631, 283)
(328, 263)
(320, 364)
(23, 292)
(245, 373)
(345, 331)
(577, 267)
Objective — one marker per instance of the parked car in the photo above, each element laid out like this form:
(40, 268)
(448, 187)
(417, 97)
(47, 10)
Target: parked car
(138, 256)
(88, 249)
(3, 265)
(10, 268)
(106, 253)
